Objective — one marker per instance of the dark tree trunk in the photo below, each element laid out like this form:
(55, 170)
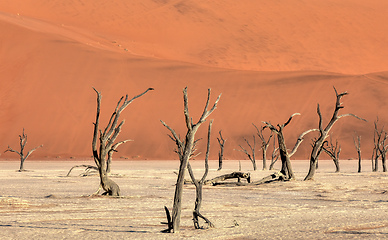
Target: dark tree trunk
(23, 142)
(185, 150)
(357, 145)
(323, 133)
(199, 184)
(221, 142)
(286, 169)
(103, 144)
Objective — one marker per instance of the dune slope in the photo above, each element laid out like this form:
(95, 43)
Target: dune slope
(268, 59)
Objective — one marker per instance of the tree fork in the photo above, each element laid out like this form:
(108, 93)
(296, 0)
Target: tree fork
(184, 151)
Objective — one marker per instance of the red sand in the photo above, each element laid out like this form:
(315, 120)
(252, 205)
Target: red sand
(269, 59)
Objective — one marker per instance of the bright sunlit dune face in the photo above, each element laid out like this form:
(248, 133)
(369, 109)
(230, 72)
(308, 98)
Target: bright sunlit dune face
(269, 59)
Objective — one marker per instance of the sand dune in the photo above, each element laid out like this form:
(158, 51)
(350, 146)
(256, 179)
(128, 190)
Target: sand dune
(268, 59)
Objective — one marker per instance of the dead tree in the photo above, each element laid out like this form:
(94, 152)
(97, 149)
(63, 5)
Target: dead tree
(357, 145)
(379, 137)
(286, 171)
(23, 142)
(264, 144)
(383, 148)
(184, 150)
(198, 185)
(105, 146)
(323, 132)
(252, 155)
(221, 142)
(333, 152)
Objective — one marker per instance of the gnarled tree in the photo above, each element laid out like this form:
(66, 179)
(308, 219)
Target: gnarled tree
(333, 152)
(251, 155)
(286, 172)
(323, 132)
(221, 142)
(198, 185)
(23, 142)
(380, 148)
(357, 145)
(184, 150)
(103, 144)
(264, 144)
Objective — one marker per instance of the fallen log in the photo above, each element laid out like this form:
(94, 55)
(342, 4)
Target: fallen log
(218, 180)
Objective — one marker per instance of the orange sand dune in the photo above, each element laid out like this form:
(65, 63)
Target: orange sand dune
(268, 59)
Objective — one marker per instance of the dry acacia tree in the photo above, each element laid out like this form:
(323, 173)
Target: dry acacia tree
(185, 150)
(103, 144)
(323, 132)
(380, 148)
(333, 152)
(264, 144)
(286, 172)
(23, 142)
(199, 183)
(357, 145)
(221, 142)
(252, 155)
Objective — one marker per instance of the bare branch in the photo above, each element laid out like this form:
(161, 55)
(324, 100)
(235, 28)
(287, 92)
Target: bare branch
(289, 120)
(300, 140)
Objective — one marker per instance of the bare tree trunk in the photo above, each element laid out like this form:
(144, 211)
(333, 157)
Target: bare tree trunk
(357, 145)
(23, 142)
(323, 133)
(199, 184)
(221, 142)
(286, 170)
(103, 150)
(184, 150)
(274, 156)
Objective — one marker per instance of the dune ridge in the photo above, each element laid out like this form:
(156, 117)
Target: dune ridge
(268, 59)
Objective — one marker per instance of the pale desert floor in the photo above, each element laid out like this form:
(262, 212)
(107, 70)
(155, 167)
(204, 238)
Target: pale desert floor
(45, 204)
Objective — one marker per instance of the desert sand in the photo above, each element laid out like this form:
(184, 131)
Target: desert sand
(45, 204)
(269, 59)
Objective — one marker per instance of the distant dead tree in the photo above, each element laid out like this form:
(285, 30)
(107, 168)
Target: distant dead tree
(323, 132)
(184, 150)
(357, 145)
(199, 183)
(333, 152)
(103, 144)
(286, 172)
(221, 142)
(23, 142)
(251, 155)
(383, 151)
(380, 147)
(264, 144)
